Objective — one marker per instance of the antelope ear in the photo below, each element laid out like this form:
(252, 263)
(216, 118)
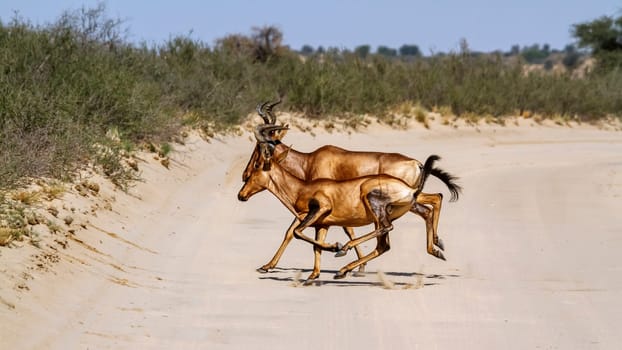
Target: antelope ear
(283, 155)
(280, 134)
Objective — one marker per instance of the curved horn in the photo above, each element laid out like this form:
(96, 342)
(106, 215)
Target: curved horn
(259, 134)
(269, 110)
(260, 111)
(261, 131)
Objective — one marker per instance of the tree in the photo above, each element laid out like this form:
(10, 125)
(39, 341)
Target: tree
(548, 64)
(410, 50)
(386, 51)
(570, 49)
(572, 57)
(264, 43)
(362, 51)
(267, 42)
(533, 53)
(236, 44)
(306, 50)
(603, 36)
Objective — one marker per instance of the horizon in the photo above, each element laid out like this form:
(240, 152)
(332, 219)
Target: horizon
(487, 26)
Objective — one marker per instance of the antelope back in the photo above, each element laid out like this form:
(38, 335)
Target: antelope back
(332, 162)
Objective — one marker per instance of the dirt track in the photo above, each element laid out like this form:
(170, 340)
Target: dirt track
(532, 251)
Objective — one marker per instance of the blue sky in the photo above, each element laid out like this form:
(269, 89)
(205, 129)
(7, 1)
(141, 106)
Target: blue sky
(434, 26)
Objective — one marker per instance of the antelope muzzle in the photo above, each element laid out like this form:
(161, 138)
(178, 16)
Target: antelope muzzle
(242, 198)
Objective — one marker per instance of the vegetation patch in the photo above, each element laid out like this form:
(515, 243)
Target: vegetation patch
(75, 93)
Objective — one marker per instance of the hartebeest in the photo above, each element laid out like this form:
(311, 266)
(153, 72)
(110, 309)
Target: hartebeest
(330, 162)
(321, 203)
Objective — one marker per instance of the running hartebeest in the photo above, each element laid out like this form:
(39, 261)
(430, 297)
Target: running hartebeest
(321, 203)
(330, 162)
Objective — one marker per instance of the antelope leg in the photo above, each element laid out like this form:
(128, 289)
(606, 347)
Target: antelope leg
(353, 243)
(320, 235)
(350, 232)
(313, 215)
(427, 214)
(381, 247)
(289, 234)
(435, 201)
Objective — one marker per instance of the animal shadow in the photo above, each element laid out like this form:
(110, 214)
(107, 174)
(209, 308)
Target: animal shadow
(404, 280)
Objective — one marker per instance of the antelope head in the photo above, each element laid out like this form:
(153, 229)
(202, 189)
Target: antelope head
(259, 177)
(268, 132)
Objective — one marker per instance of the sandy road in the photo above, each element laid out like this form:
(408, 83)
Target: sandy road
(532, 247)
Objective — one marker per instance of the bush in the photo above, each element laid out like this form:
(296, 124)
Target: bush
(62, 87)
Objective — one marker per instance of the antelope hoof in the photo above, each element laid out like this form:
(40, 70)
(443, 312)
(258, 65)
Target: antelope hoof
(308, 282)
(340, 250)
(263, 269)
(439, 243)
(311, 279)
(439, 255)
(340, 275)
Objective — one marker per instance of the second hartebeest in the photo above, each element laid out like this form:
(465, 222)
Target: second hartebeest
(331, 162)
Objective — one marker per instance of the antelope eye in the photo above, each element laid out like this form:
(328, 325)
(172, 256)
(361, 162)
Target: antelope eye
(256, 165)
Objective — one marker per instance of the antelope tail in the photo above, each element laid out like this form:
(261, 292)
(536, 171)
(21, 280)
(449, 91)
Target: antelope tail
(448, 179)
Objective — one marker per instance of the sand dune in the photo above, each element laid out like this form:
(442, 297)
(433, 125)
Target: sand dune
(532, 253)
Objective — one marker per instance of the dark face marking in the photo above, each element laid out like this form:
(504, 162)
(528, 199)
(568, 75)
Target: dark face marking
(252, 164)
(263, 150)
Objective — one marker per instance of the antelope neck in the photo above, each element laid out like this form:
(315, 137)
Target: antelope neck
(284, 186)
(295, 163)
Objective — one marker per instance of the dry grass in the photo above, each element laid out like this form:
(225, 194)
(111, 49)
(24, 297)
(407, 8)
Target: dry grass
(422, 117)
(471, 118)
(408, 110)
(560, 120)
(27, 197)
(394, 120)
(526, 114)
(53, 227)
(356, 122)
(8, 235)
(538, 119)
(491, 119)
(54, 190)
(444, 111)
(404, 108)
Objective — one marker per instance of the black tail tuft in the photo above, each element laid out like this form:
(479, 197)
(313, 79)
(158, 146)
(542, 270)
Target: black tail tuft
(448, 179)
